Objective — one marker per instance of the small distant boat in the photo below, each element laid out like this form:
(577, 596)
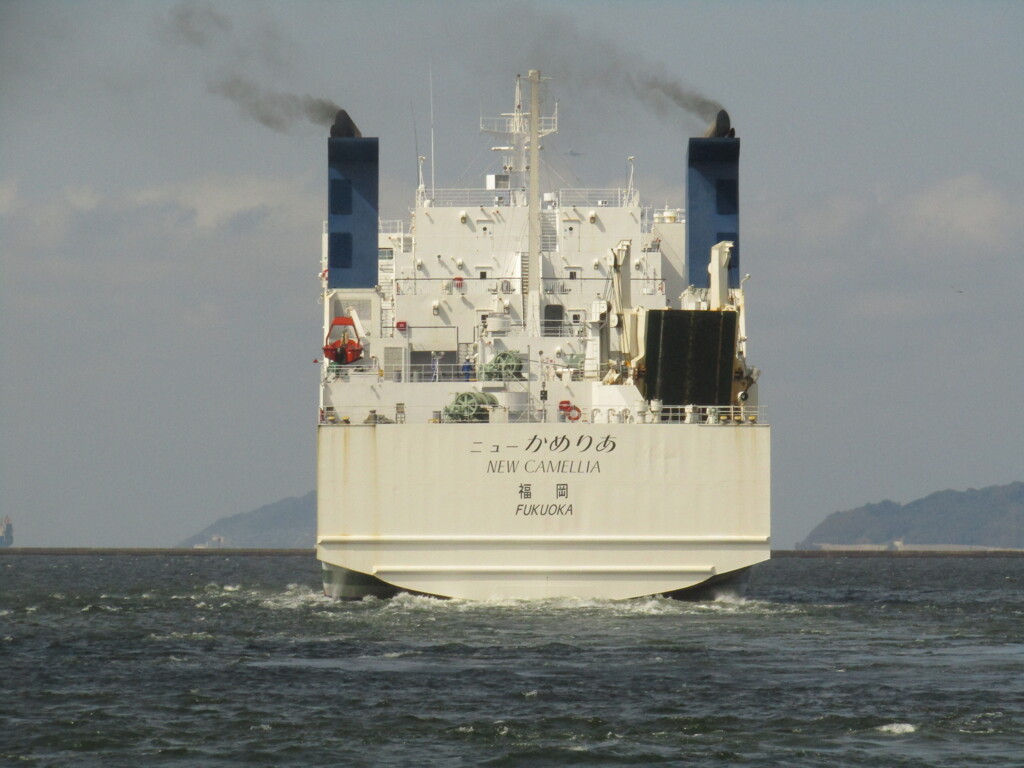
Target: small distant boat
(532, 394)
(6, 532)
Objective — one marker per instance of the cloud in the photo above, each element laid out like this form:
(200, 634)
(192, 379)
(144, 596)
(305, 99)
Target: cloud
(37, 226)
(960, 211)
(196, 240)
(81, 197)
(835, 216)
(8, 196)
(215, 200)
(891, 303)
(966, 212)
(887, 266)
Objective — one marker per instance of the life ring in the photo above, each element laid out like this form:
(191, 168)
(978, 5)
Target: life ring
(573, 413)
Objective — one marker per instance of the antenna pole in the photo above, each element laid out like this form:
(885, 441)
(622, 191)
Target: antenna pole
(536, 263)
(416, 144)
(430, 68)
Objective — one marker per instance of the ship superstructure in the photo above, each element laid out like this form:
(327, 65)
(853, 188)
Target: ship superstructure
(529, 393)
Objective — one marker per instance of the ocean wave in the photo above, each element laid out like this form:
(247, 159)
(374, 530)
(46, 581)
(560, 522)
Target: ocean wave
(295, 597)
(180, 636)
(896, 728)
(640, 606)
(109, 608)
(214, 588)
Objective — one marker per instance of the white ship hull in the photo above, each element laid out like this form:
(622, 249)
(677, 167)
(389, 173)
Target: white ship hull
(537, 394)
(491, 511)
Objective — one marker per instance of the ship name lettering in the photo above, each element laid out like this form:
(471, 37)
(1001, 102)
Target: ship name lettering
(543, 510)
(502, 467)
(561, 466)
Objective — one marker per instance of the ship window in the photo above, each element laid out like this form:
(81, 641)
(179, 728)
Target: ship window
(574, 273)
(483, 274)
(339, 197)
(385, 254)
(554, 315)
(727, 197)
(339, 250)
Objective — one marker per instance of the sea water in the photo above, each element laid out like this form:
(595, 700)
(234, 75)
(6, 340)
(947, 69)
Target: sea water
(239, 660)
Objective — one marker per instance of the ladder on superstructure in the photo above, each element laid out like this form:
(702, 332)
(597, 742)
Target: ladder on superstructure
(524, 283)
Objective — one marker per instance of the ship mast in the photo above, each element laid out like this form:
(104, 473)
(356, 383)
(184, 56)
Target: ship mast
(536, 264)
(526, 129)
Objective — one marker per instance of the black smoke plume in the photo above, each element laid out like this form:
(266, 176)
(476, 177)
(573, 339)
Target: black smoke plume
(661, 93)
(198, 25)
(276, 110)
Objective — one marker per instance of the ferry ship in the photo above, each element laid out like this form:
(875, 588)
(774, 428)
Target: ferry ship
(537, 394)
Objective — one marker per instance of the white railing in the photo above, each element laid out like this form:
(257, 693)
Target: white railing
(590, 285)
(587, 285)
(410, 286)
(567, 198)
(430, 372)
(561, 329)
(365, 415)
(709, 414)
(553, 412)
(597, 198)
(647, 286)
(417, 373)
(514, 124)
(451, 198)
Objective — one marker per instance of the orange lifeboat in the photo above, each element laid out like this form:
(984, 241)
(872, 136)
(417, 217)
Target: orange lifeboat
(346, 349)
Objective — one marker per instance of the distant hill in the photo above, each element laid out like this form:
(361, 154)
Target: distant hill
(990, 517)
(286, 524)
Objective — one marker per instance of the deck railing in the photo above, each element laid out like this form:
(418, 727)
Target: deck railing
(451, 198)
(567, 198)
(458, 284)
(590, 286)
(550, 412)
(597, 198)
(391, 226)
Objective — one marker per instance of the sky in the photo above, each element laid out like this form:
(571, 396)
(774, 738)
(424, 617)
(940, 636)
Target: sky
(162, 193)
